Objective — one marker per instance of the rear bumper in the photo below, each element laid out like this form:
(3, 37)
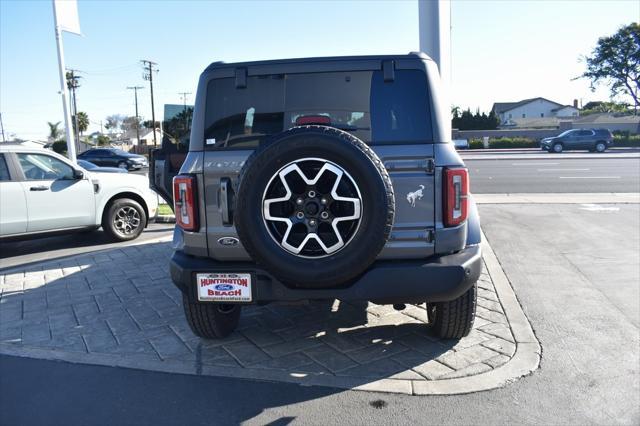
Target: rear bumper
(396, 281)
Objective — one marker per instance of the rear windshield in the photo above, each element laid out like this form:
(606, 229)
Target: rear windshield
(359, 102)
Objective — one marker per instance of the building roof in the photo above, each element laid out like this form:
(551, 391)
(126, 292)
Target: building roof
(563, 107)
(500, 107)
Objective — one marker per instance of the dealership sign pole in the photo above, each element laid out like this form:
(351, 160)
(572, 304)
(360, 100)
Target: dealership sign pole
(434, 17)
(65, 16)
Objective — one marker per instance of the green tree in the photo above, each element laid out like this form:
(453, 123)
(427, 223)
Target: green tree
(102, 140)
(54, 130)
(616, 62)
(83, 122)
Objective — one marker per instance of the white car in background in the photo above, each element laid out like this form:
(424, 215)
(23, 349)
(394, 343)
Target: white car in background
(42, 192)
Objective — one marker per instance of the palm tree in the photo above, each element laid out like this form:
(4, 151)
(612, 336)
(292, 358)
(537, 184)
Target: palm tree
(54, 131)
(83, 122)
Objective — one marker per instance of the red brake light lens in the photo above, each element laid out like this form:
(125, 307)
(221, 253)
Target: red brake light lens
(456, 189)
(313, 119)
(184, 202)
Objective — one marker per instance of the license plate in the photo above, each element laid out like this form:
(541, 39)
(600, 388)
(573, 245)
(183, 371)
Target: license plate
(224, 287)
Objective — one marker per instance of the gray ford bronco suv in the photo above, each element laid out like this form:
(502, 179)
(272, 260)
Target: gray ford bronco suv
(321, 178)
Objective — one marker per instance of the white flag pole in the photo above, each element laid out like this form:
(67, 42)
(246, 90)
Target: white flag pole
(71, 147)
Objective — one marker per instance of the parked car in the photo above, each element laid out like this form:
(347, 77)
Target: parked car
(322, 178)
(87, 165)
(50, 194)
(594, 140)
(461, 143)
(113, 157)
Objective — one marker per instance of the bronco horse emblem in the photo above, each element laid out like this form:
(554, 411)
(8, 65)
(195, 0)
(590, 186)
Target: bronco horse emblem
(414, 196)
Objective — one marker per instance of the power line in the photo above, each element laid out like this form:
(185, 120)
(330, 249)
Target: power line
(135, 94)
(148, 75)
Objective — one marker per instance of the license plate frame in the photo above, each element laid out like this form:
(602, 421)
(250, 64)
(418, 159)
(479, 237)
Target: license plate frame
(224, 287)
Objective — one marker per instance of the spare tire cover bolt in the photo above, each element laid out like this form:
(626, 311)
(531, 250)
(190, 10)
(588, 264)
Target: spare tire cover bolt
(312, 194)
(312, 222)
(300, 215)
(324, 215)
(299, 201)
(323, 201)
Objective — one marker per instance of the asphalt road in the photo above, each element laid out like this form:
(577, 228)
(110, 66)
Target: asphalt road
(35, 250)
(575, 271)
(553, 174)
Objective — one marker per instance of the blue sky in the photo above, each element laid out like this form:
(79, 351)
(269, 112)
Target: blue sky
(501, 50)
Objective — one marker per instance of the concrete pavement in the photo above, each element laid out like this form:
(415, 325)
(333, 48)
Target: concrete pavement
(118, 307)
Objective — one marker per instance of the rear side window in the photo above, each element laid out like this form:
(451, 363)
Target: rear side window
(4, 170)
(359, 102)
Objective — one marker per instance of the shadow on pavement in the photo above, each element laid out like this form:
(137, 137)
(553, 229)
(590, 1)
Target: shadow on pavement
(120, 301)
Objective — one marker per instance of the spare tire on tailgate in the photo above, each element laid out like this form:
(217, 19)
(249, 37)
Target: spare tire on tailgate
(314, 206)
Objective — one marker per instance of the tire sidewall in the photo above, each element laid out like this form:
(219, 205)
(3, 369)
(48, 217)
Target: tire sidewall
(557, 151)
(600, 144)
(107, 220)
(341, 265)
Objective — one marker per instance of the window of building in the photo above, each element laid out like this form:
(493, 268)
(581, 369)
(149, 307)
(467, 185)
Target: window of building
(542, 114)
(524, 115)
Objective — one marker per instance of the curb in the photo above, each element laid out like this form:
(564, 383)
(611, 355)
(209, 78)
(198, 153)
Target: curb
(525, 360)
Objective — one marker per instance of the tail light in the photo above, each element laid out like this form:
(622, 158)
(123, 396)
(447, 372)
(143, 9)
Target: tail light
(456, 190)
(184, 202)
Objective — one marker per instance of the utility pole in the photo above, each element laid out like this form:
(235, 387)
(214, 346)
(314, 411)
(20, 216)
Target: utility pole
(2, 127)
(184, 100)
(135, 94)
(73, 83)
(148, 75)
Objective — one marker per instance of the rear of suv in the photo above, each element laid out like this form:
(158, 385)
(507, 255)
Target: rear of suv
(321, 178)
(593, 140)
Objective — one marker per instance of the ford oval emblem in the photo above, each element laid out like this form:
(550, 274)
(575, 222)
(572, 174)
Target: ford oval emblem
(228, 241)
(223, 287)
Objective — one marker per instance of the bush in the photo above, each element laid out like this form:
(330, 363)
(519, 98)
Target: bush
(626, 140)
(517, 142)
(60, 147)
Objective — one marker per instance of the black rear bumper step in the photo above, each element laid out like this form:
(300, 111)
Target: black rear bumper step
(435, 279)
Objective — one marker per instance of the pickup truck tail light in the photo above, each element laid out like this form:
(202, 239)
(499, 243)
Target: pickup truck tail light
(456, 191)
(184, 202)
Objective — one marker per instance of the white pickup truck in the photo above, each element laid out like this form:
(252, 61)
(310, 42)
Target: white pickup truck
(42, 192)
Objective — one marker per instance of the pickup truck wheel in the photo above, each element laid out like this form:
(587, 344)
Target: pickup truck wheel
(211, 321)
(124, 219)
(314, 206)
(454, 319)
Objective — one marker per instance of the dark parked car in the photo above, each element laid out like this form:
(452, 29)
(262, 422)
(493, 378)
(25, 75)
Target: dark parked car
(594, 140)
(93, 168)
(111, 157)
(321, 178)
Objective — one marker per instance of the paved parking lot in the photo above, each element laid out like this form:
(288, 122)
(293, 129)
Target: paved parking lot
(118, 307)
